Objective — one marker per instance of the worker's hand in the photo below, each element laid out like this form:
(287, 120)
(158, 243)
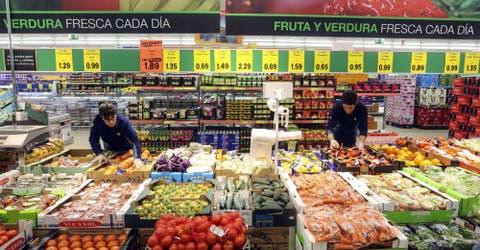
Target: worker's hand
(359, 145)
(101, 159)
(138, 163)
(334, 144)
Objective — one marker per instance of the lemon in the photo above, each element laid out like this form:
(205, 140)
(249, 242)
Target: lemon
(436, 162)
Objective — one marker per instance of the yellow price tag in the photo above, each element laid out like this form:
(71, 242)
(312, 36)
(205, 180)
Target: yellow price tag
(385, 62)
(201, 60)
(418, 63)
(471, 64)
(321, 61)
(244, 60)
(223, 60)
(355, 61)
(40, 86)
(270, 61)
(64, 60)
(296, 61)
(91, 60)
(452, 63)
(29, 86)
(171, 60)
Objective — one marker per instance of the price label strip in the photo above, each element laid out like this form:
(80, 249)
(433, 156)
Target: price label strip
(452, 63)
(201, 60)
(151, 56)
(64, 60)
(296, 61)
(385, 62)
(171, 60)
(355, 61)
(321, 61)
(244, 60)
(418, 63)
(91, 60)
(270, 61)
(472, 61)
(223, 60)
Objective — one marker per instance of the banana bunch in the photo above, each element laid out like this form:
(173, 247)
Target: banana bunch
(170, 5)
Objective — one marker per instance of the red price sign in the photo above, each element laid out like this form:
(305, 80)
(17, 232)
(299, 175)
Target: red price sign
(151, 56)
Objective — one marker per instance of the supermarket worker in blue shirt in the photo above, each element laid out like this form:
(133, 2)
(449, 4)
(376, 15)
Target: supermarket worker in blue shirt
(348, 119)
(116, 133)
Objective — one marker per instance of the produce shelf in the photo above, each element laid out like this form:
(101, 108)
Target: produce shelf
(171, 88)
(313, 88)
(161, 121)
(369, 94)
(247, 122)
(229, 88)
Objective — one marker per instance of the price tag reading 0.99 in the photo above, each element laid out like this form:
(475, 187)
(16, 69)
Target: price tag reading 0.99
(92, 65)
(384, 67)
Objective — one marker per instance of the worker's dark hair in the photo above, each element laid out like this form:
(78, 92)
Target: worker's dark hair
(349, 97)
(106, 109)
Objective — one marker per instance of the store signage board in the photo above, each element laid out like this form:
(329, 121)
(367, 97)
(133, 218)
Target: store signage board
(223, 60)
(244, 60)
(471, 64)
(91, 60)
(452, 63)
(355, 62)
(171, 60)
(296, 61)
(321, 61)
(385, 62)
(25, 59)
(418, 64)
(270, 61)
(151, 56)
(63, 60)
(201, 60)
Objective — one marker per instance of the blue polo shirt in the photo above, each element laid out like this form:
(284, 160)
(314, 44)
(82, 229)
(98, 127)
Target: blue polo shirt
(122, 137)
(344, 127)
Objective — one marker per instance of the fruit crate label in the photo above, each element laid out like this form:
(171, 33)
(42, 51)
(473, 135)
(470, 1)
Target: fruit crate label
(201, 60)
(270, 61)
(171, 60)
(223, 60)
(296, 61)
(452, 63)
(355, 61)
(244, 60)
(385, 62)
(418, 63)
(472, 61)
(63, 60)
(91, 60)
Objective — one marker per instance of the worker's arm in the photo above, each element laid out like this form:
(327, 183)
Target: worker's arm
(331, 124)
(94, 138)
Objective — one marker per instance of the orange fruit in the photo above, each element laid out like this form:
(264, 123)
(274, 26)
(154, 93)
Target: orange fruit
(122, 238)
(51, 248)
(63, 243)
(75, 237)
(100, 244)
(51, 243)
(113, 243)
(110, 237)
(64, 248)
(88, 244)
(75, 244)
(87, 238)
(115, 248)
(98, 238)
(62, 237)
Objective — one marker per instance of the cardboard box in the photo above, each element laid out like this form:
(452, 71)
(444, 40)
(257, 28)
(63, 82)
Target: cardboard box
(18, 242)
(168, 177)
(134, 176)
(372, 125)
(278, 238)
(197, 177)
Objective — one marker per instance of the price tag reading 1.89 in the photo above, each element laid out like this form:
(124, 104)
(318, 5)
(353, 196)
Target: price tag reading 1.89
(355, 61)
(244, 60)
(270, 60)
(201, 60)
(63, 60)
(418, 63)
(91, 60)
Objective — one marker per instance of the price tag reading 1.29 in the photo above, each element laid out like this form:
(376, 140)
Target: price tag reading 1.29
(223, 61)
(270, 60)
(321, 61)
(171, 60)
(91, 60)
(418, 63)
(63, 60)
(385, 62)
(244, 60)
(201, 60)
(355, 61)
(296, 61)
(471, 64)
(452, 63)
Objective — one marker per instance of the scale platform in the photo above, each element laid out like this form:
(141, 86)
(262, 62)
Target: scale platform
(18, 137)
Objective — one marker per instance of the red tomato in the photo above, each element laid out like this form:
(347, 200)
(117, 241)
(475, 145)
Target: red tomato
(234, 215)
(240, 240)
(211, 238)
(153, 241)
(228, 245)
(166, 241)
(3, 232)
(4, 238)
(225, 221)
(173, 247)
(201, 237)
(232, 233)
(2, 242)
(160, 232)
(186, 238)
(202, 227)
(179, 230)
(159, 223)
(181, 246)
(216, 219)
(11, 233)
(157, 247)
(171, 231)
(202, 246)
(190, 246)
(217, 246)
(187, 228)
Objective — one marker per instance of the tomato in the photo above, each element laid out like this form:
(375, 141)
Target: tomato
(201, 237)
(186, 238)
(215, 219)
(187, 228)
(181, 246)
(173, 247)
(225, 221)
(234, 215)
(4, 238)
(211, 238)
(160, 232)
(157, 247)
(202, 246)
(2, 242)
(166, 241)
(217, 246)
(240, 240)
(159, 223)
(179, 230)
(3, 232)
(153, 241)
(171, 231)
(232, 233)
(228, 245)
(202, 227)
(190, 246)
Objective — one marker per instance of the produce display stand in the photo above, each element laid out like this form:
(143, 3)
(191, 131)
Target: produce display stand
(24, 227)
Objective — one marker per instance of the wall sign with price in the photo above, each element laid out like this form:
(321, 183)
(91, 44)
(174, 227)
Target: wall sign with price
(321, 61)
(201, 60)
(418, 64)
(452, 63)
(151, 56)
(171, 60)
(244, 60)
(91, 60)
(355, 62)
(223, 60)
(63, 60)
(270, 61)
(296, 61)
(385, 62)
(472, 61)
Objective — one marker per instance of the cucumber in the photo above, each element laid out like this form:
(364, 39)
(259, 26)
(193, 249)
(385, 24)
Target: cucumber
(230, 200)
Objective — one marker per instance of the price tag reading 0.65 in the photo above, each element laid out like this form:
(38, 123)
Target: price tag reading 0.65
(244, 66)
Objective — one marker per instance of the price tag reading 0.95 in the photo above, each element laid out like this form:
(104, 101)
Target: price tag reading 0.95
(355, 61)
(450, 68)
(355, 66)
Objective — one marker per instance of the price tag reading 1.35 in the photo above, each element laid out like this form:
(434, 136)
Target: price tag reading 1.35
(385, 62)
(355, 61)
(223, 60)
(244, 60)
(270, 60)
(201, 60)
(91, 60)
(171, 60)
(418, 63)
(321, 61)
(452, 63)
(63, 60)
(472, 61)
(296, 61)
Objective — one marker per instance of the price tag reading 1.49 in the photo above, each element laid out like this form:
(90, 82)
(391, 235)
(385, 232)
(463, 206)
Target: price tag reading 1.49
(321, 61)
(472, 61)
(222, 59)
(452, 63)
(355, 61)
(91, 60)
(63, 60)
(201, 60)
(418, 63)
(171, 60)
(270, 60)
(296, 61)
